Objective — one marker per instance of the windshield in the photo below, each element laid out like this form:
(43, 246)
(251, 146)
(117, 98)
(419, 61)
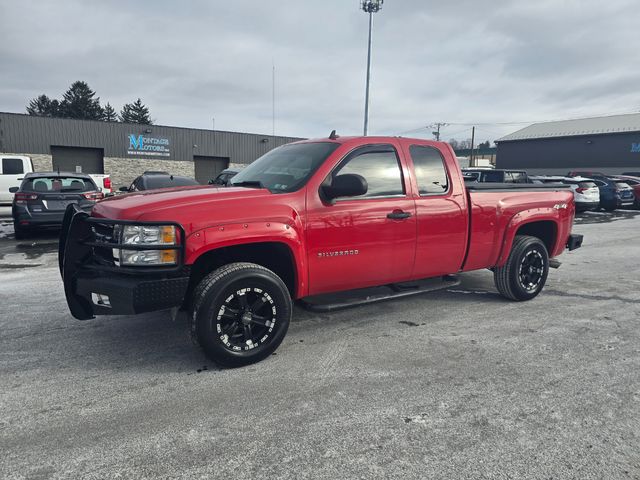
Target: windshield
(286, 168)
(58, 184)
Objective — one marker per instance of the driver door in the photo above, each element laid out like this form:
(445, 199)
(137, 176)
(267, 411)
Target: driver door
(368, 240)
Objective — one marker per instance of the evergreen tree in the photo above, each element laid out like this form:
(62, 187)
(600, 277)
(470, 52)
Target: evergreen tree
(79, 102)
(109, 113)
(43, 106)
(135, 112)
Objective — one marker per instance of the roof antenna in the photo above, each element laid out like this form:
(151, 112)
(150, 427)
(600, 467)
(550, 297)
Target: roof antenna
(332, 135)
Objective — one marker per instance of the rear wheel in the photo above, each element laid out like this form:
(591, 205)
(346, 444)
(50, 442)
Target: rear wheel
(20, 233)
(524, 274)
(240, 314)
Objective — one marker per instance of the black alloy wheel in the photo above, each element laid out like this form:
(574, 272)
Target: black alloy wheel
(525, 272)
(240, 314)
(531, 270)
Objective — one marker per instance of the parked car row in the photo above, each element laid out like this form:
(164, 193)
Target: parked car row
(598, 190)
(591, 190)
(41, 198)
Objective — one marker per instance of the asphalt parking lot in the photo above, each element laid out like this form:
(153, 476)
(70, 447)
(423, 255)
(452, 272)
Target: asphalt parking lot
(451, 384)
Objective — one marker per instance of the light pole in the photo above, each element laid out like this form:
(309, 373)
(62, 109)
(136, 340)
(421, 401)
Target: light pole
(370, 7)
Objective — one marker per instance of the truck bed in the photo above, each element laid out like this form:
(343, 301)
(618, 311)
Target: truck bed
(495, 207)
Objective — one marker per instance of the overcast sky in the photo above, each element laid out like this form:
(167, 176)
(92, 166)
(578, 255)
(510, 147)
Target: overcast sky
(465, 61)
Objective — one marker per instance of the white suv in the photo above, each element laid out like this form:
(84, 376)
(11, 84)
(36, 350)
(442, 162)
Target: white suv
(585, 193)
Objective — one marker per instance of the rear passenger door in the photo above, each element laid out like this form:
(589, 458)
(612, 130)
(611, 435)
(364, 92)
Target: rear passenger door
(442, 216)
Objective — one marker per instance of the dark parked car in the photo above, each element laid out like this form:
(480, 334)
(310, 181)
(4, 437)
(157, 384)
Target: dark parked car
(154, 180)
(224, 177)
(614, 193)
(41, 199)
(481, 175)
(633, 182)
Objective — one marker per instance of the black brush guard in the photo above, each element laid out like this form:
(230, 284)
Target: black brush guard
(130, 290)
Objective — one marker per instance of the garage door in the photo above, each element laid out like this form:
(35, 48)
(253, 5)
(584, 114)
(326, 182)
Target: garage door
(208, 168)
(75, 159)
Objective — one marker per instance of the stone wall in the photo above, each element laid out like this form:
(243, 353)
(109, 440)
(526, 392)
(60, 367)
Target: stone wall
(124, 170)
(121, 170)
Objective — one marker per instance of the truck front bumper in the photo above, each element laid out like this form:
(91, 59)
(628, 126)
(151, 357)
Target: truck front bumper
(94, 286)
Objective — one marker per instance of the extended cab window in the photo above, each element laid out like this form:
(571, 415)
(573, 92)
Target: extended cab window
(381, 170)
(12, 166)
(431, 174)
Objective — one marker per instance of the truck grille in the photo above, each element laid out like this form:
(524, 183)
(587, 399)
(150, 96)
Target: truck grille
(103, 233)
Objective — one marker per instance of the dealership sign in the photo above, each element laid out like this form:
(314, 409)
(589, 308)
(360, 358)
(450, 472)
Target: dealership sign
(148, 146)
(635, 148)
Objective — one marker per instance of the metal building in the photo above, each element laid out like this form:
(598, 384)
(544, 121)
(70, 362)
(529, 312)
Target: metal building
(127, 150)
(606, 144)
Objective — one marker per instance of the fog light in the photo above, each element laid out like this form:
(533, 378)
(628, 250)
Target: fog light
(100, 299)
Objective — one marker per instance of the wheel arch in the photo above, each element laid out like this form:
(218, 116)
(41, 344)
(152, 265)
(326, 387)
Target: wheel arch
(277, 256)
(544, 227)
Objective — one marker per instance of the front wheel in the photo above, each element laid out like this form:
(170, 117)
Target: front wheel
(241, 313)
(524, 274)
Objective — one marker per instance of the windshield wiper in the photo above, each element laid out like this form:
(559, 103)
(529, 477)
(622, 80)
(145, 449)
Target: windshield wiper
(248, 183)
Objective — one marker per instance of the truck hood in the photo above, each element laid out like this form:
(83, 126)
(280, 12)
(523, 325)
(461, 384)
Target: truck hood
(174, 204)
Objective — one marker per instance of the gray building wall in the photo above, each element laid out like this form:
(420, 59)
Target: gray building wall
(608, 153)
(25, 133)
(34, 136)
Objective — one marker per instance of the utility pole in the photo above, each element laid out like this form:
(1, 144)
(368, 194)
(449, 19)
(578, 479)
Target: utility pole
(437, 132)
(473, 138)
(273, 99)
(370, 7)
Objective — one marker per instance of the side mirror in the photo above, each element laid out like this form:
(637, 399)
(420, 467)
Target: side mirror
(123, 189)
(346, 185)
(14, 189)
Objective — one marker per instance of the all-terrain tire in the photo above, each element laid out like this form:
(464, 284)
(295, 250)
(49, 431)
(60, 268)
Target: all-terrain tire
(525, 272)
(233, 297)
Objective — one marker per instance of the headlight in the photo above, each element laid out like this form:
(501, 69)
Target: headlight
(148, 236)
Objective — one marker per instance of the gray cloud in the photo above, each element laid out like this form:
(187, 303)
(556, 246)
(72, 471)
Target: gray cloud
(458, 62)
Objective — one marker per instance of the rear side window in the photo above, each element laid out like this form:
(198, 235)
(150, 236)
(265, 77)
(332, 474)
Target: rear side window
(431, 174)
(520, 177)
(58, 184)
(160, 181)
(12, 166)
(631, 182)
(587, 185)
(493, 177)
(381, 170)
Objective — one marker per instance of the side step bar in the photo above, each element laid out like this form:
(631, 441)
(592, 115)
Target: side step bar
(331, 302)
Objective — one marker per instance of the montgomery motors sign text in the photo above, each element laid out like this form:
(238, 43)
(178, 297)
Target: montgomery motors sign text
(148, 146)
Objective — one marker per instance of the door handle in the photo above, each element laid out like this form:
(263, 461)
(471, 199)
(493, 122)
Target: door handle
(398, 215)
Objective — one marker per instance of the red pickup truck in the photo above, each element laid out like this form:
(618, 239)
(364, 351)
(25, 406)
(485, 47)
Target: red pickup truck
(306, 219)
